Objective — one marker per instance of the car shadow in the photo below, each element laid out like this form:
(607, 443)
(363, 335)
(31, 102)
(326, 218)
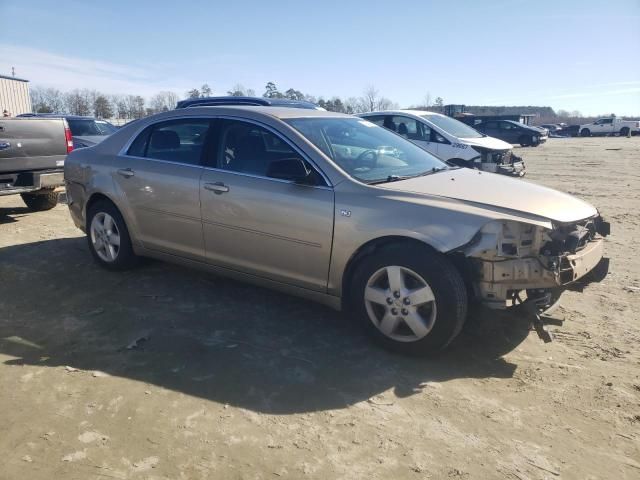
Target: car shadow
(12, 214)
(215, 338)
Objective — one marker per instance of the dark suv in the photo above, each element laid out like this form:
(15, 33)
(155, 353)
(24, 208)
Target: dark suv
(513, 132)
(256, 101)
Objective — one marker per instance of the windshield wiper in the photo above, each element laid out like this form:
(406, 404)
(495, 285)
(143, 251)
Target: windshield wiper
(390, 178)
(395, 178)
(433, 170)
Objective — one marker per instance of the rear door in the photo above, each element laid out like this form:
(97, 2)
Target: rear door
(268, 227)
(159, 177)
(32, 144)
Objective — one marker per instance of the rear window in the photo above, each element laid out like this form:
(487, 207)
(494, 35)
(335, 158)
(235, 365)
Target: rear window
(84, 128)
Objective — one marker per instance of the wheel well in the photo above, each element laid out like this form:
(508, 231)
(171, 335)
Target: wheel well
(367, 249)
(97, 197)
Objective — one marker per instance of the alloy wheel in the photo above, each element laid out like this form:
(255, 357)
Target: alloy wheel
(105, 237)
(400, 303)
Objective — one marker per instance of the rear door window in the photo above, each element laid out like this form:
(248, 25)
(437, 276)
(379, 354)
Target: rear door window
(179, 141)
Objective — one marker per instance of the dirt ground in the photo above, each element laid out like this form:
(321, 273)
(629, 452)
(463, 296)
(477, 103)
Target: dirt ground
(233, 381)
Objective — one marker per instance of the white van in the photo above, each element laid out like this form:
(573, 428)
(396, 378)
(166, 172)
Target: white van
(451, 140)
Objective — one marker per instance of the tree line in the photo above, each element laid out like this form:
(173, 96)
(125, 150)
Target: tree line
(128, 107)
(98, 104)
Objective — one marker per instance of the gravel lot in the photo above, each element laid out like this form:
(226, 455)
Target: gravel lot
(232, 381)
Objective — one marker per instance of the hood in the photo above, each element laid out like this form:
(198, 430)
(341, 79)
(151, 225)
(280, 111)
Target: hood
(89, 140)
(498, 191)
(486, 142)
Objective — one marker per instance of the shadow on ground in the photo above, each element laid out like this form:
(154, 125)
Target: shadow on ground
(11, 215)
(214, 338)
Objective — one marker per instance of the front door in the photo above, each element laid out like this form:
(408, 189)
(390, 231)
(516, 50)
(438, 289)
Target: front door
(510, 132)
(159, 177)
(268, 227)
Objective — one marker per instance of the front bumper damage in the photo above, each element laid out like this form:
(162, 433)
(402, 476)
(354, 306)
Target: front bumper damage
(566, 258)
(504, 163)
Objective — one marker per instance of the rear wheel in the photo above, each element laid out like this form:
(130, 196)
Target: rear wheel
(624, 131)
(108, 237)
(411, 299)
(41, 200)
(524, 141)
(585, 132)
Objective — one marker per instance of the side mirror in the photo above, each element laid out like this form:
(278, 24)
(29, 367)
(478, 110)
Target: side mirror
(292, 169)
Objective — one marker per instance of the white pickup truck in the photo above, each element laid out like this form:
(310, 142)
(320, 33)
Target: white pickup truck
(608, 126)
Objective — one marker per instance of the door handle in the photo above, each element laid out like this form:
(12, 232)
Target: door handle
(217, 187)
(126, 172)
(4, 145)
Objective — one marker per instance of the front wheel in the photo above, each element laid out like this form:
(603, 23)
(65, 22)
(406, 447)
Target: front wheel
(411, 299)
(40, 200)
(585, 132)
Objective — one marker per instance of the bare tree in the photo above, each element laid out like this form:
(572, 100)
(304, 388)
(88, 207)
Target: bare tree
(205, 90)
(237, 90)
(370, 98)
(135, 106)
(39, 102)
(76, 103)
(427, 100)
(163, 102)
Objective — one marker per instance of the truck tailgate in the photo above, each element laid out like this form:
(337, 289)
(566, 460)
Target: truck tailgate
(28, 144)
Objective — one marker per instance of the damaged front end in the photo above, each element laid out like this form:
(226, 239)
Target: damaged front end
(509, 258)
(498, 161)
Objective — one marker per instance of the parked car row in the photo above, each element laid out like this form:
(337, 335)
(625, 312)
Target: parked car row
(372, 214)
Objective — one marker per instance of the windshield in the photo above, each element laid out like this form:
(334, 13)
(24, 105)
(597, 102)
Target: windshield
(366, 151)
(82, 128)
(453, 127)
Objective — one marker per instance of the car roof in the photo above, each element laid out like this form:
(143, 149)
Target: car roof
(212, 101)
(418, 113)
(277, 112)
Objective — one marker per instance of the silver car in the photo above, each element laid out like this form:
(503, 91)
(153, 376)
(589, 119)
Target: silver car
(332, 208)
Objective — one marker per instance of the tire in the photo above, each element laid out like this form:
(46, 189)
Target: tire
(440, 313)
(104, 223)
(535, 141)
(524, 141)
(585, 132)
(624, 131)
(41, 200)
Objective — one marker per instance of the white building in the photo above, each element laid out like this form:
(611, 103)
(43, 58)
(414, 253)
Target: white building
(14, 95)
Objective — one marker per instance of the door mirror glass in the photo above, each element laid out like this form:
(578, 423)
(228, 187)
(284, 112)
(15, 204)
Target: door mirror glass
(292, 169)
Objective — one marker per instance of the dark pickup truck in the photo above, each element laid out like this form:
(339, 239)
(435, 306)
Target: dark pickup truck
(32, 154)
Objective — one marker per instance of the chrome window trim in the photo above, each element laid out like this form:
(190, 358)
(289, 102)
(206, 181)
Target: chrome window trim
(261, 177)
(123, 151)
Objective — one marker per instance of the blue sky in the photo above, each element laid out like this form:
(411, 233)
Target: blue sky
(574, 55)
